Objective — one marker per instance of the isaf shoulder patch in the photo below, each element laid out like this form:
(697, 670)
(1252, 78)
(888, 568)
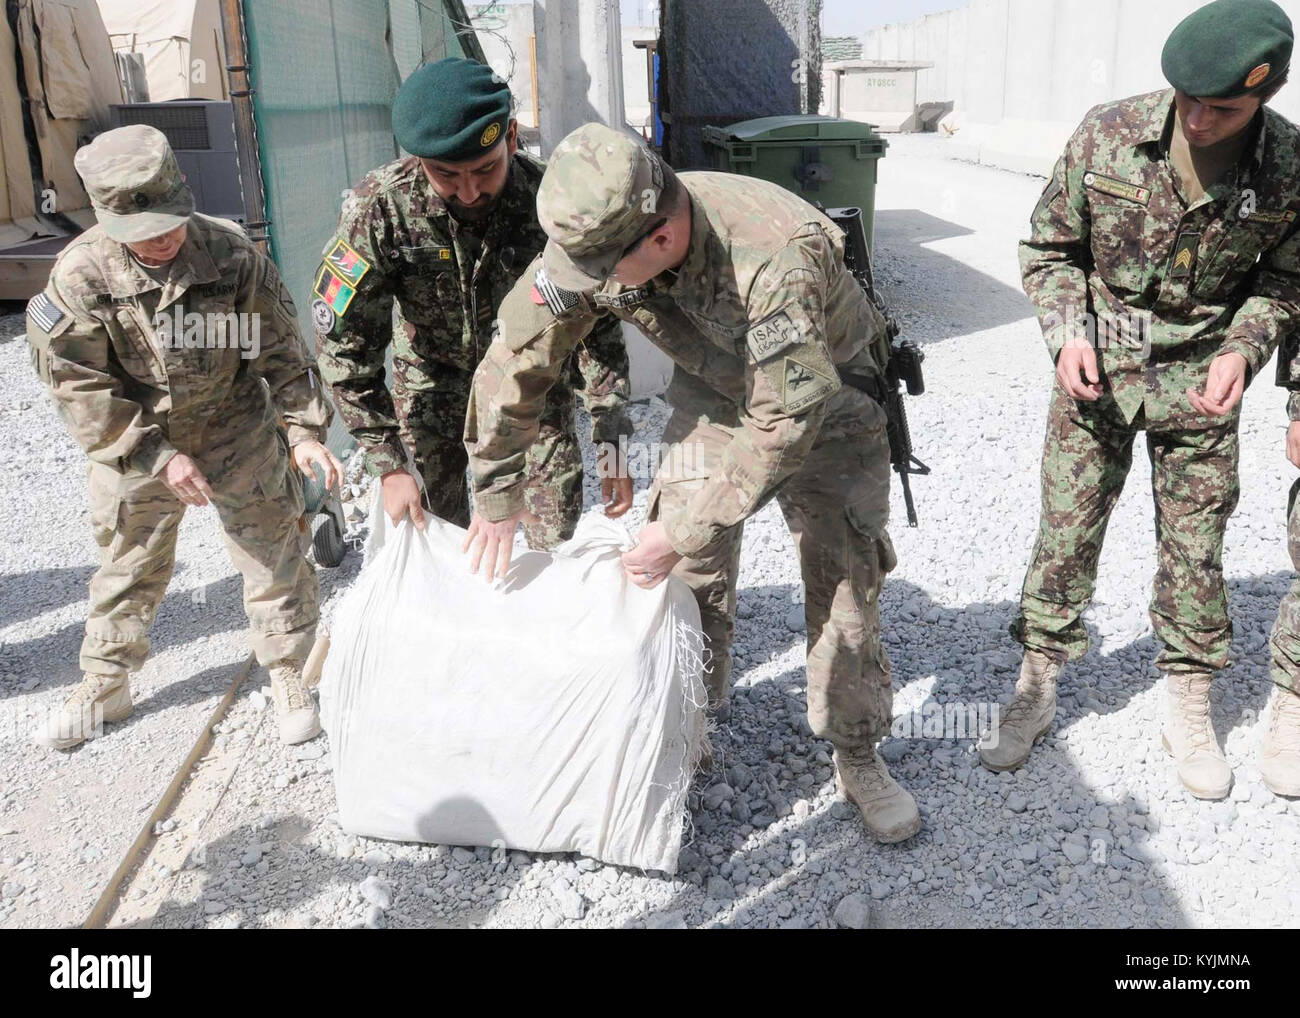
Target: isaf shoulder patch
(772, 335)
(44, 312)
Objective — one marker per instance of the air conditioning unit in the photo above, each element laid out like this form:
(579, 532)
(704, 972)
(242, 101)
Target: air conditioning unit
(202, 134)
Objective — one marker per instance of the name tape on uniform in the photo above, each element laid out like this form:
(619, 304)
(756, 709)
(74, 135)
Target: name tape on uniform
(1117, 188)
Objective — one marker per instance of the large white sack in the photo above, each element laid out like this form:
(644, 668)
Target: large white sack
(557, 710)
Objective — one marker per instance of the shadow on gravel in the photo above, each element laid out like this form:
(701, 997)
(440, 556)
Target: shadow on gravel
(1095, 842)
(975, 301)
(41, 591)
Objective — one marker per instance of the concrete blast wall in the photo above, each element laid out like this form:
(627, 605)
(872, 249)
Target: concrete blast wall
(1022, 73)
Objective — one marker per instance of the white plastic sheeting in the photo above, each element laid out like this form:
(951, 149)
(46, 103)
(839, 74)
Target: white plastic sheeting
(557, 710)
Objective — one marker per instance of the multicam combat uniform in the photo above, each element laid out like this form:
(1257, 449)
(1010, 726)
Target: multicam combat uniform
(132, 399)
(758, 320)
(1172, 285)
(397, 240)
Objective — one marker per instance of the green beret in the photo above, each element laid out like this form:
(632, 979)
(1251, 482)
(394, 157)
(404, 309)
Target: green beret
(453, 110)
(1228, 48)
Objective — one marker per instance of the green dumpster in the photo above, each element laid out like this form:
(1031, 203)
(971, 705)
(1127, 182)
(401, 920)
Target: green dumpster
(822, 159)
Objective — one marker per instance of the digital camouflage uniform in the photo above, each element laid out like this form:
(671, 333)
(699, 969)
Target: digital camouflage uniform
(1286, 629)
(132, 399)
(757, 319)
(396, 240)
(1113, 236)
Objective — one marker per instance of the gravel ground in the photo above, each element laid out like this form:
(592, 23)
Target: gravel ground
(1094, 831)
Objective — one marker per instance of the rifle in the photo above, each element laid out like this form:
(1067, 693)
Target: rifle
(902, 364)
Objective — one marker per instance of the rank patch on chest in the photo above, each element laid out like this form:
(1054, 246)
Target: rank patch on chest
(1117, 188)
(804, 385)
(772, 335)
(347, 263)
(336, 294)
(1184, 256)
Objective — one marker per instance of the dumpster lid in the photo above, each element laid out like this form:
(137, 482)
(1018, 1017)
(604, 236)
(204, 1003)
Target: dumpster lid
(800, 127)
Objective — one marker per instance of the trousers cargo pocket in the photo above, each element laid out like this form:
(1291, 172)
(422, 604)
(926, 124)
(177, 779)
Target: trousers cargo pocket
(869, 521)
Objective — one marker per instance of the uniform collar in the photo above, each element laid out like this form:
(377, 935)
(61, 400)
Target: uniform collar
(695, 269)
(193, 264)
(1158, 126)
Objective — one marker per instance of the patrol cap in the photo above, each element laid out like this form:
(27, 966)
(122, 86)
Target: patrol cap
(601, 192)
(134, 182)
(453, 109)
(1228, 48)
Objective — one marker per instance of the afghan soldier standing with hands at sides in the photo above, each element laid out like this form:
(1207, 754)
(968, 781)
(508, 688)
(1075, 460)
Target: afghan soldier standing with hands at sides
(446, 232)
(171, 347)
(744, 285)
(1169, 227)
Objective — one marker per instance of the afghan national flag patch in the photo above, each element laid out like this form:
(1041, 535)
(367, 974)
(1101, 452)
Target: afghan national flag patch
(347, 263)
(336, 294)
(44, 312)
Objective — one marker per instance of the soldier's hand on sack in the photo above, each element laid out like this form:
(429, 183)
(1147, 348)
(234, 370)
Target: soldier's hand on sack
(493, 543)
(616, 494)
(1293, 443)
(1223, 386)
(649, 563)
(186, 481)
(309, 453)
(401, 496)
(1076, 370)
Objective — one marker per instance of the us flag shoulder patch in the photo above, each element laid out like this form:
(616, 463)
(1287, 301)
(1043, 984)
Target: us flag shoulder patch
(559, 301)
(44, 312)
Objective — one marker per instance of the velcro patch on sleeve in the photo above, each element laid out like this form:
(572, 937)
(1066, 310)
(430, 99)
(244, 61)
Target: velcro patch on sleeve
(558, 300)
(347, 262)
(332, 290)
(807, 378)
(45, 313)
(777, 332)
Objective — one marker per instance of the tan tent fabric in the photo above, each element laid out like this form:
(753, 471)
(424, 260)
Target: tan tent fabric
(181, 42)
(70, 75)
(17, 197)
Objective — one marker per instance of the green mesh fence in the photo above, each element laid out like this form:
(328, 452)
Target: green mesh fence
(325, 73)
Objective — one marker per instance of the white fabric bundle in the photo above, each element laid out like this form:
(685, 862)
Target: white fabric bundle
(557, 710)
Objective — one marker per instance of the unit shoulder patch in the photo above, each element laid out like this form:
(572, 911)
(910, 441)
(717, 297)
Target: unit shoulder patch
(806, 381)
(1117, 188)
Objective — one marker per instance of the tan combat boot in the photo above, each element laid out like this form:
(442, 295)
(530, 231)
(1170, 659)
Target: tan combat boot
(97, 699)
(295, 710)
(1189, 736)
(1027, 718)
(888, 809)
(1279, 754)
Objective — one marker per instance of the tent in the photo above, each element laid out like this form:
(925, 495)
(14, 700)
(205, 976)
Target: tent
(58, 76)
(180, 41)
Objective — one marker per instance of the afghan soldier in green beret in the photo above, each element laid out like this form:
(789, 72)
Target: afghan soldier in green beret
(744, 285)
(171, 347)
(446, 232)
(1164, 265)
